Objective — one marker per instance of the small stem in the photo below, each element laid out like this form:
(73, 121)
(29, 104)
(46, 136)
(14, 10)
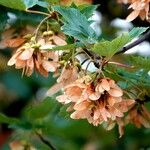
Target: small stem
(135, 43)
(36, 32)
(73, 56)
(37, 12)
(46, 142)
(121, 65)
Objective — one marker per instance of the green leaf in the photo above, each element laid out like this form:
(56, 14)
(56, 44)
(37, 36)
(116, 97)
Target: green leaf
(85, 9)
(88, 10)
(67, 47)
(109, 48)
(139, 77)
(135, 32)
(64, 47)
(139, 62)
(76, 24)
(14, 4)
(31, 3)
(40, 110)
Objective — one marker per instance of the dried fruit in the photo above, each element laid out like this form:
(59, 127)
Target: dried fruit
(96, 103)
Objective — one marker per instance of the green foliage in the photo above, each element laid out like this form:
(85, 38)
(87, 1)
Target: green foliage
(109, 48)
(14, 122)
(139, 77)
(40, 110)
(63, 112)
(33, 117)
(15, 4)
(139, 62)
(76, 24)
(130, 79)
(135, 32)
(65, 47)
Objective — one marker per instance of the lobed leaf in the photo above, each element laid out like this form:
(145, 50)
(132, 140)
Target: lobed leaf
(88, 10)
(140, 77)
(109, 48)
(76, 24)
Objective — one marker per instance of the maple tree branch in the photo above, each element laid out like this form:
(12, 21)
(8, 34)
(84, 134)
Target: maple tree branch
(146, 36)
(135, 43)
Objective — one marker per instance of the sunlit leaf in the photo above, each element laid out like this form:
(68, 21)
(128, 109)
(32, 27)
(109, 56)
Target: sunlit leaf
(15, 4)
(109, 48)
